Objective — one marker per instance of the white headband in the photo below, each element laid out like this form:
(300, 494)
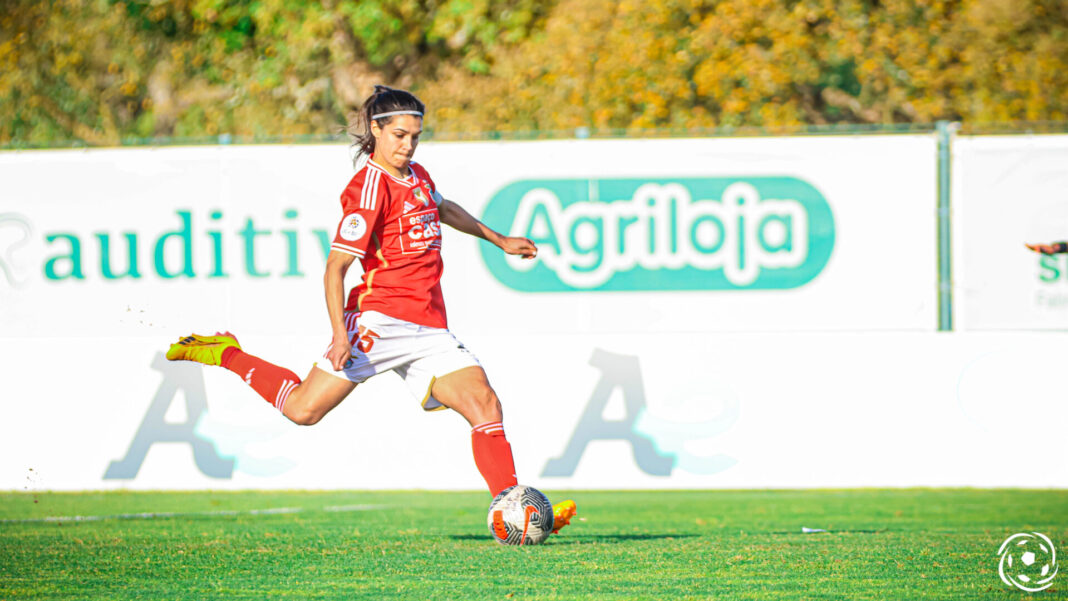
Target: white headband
(391, 113)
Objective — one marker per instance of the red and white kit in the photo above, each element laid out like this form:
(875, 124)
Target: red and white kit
(396, 316)
(392, 226)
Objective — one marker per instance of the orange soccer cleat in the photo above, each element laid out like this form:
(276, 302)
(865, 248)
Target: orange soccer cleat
(202, 349)
(562, 514)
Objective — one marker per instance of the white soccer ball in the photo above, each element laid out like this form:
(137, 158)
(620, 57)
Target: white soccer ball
(520, 515)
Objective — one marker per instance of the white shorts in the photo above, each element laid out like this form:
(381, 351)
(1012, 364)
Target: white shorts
(419, 354)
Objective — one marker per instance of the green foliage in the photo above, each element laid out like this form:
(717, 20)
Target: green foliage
(101, 71)
(705, 63)
(882, 544)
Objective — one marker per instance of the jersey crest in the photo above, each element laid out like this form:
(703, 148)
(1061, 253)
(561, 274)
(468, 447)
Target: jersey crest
(420, 195)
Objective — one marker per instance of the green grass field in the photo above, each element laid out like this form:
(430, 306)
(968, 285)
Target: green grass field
(882, 544)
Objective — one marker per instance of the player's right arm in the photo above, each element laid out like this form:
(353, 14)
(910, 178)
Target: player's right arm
(1049, 249)
(362, 203)
(337, 265)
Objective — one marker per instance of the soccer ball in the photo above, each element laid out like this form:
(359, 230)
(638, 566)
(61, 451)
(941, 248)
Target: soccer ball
(520, 515)
(1028, 561)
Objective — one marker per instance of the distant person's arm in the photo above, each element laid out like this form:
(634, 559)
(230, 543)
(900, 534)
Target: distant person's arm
(1049, 249)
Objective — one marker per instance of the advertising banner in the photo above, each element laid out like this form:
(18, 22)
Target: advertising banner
(679, 411)
(702, 313)
(1008, 191)
(653, 236)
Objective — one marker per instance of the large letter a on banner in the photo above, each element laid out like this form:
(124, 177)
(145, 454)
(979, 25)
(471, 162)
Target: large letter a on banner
(624, 372)
(188, 379)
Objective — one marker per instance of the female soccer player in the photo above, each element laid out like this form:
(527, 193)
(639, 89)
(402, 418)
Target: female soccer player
(395, 318)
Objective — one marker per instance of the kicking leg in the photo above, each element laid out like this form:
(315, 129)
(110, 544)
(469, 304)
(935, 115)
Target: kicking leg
(304, 403)
(316, 396)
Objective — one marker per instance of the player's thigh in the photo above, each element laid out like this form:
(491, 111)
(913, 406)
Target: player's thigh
(468, 392)
(316, 396)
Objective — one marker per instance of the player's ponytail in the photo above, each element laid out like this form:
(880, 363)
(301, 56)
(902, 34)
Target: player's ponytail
(383, 104)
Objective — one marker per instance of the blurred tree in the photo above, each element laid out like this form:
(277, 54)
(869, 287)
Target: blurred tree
(68, 70)
(101, 71)
(697, 63)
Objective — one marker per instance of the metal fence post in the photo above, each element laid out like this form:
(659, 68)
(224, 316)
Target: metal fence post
(945, 131)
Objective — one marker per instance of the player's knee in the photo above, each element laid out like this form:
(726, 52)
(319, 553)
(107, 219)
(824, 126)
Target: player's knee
(304, 416)
(484, 403)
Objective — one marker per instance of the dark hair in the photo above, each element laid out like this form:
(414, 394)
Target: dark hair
(383, 100)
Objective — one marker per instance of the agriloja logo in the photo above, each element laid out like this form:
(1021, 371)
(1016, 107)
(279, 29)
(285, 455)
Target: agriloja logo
(662, 234)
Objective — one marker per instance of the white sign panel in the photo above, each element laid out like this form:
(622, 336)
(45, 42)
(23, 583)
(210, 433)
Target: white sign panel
(611, 411)
(1008, 191)
(690, 322)
(757, 234)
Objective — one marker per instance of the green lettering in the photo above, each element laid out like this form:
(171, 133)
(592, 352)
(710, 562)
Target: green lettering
(185, 236)
(787, 242)
(594, 248)
(540, 217)
(674, 217)
(292, 269)
(1050, 266)
(216, 248)
(324, 241)
(713, 221)
(105, 257)
(741, 238)
(75, 258)
(624, 223)
(249, 234)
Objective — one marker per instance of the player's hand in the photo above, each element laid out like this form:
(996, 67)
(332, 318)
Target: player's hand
(1046, 249)
(515, 245)
(340, 353)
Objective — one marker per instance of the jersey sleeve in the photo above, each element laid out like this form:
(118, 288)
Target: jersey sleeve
(362, 203)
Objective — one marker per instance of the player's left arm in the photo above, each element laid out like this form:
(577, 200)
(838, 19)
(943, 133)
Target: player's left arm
(456, 217)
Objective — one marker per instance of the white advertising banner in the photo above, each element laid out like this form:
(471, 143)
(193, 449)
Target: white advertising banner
(610, 411)
(729, 235)
(702, 313)
(1008, 191)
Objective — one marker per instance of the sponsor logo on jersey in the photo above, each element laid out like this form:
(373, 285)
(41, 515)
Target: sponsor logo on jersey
(420, 231)
(662, 234)
(353, 227)
(409, 206)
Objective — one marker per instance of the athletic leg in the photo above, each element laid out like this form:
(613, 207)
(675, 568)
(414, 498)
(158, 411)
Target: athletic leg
(468, 392)
(304, 403)
(316, 396)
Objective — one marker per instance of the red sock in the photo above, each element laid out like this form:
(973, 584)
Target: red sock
(493, 456)
(271, 382)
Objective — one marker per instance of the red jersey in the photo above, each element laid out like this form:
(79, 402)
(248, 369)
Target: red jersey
(392, 226)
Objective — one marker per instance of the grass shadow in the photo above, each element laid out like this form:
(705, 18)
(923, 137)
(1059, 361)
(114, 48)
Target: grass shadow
(571, 539)
(799, 533)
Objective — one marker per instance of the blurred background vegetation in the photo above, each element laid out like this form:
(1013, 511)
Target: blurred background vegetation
(105, 72)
